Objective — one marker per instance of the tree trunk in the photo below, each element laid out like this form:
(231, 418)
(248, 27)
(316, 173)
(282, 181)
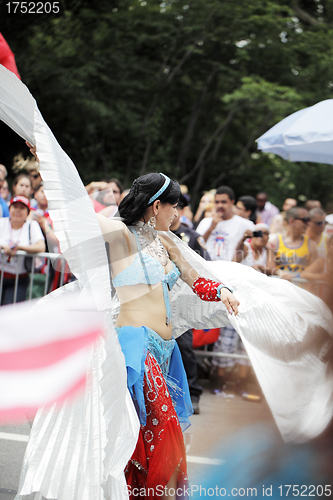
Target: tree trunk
(165, 82)
(146, 155)
(304, 16)
(192, 123)
(208, 145)
(245, 149)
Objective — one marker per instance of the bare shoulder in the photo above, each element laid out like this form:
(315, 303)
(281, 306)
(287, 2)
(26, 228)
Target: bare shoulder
(116, 232)
(110, 225)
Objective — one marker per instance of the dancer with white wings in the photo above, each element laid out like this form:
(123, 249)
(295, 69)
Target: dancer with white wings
(79, 450)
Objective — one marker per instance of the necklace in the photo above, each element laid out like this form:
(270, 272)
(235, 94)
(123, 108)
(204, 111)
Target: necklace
(151, 244)
(11, 242)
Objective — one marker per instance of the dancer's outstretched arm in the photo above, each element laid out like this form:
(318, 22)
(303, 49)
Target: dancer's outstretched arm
(190, 275)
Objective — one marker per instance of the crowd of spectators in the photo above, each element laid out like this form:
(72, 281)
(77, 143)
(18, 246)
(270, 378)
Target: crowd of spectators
(26, 228)
(295, 244)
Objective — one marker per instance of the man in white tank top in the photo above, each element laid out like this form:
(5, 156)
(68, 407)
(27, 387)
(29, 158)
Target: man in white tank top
(315, 230)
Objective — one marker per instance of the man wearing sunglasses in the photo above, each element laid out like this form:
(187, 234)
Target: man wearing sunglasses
(315, 230)
(294, 251)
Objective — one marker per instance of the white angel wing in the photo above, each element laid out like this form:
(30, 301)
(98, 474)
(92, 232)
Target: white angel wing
(287, 333)
(75, 451)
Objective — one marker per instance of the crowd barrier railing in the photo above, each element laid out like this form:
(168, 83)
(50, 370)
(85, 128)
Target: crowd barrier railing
(51, 260)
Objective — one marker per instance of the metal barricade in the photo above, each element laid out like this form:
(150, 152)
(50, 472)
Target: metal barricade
(56, 260)
(212, 354)
(316, 287)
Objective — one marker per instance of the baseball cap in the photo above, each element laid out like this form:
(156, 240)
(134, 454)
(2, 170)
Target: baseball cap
(261, 226)
(21, 199)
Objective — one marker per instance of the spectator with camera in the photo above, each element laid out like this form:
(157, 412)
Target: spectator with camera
(252, 248)
(16, 233)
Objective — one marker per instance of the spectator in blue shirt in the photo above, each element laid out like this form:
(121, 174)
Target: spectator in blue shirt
(4, 212)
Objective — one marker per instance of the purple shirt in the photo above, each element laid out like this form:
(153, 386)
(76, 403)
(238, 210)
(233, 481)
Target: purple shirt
(268, 213)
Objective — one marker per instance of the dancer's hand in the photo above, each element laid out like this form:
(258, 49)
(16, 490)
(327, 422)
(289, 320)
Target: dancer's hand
(32, 150)
(230, 301)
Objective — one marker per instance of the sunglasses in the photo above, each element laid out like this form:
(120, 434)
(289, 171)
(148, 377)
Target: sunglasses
(34, 176)
(303, 219)
(320, 222)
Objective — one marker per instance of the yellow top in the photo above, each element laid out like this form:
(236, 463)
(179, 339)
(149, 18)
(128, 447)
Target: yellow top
(292, 259)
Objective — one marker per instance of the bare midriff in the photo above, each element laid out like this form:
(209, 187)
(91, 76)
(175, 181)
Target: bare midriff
(143, 305)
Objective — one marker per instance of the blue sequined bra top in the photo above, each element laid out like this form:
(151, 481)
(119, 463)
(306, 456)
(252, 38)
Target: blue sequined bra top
(145, 269)
(150, 272)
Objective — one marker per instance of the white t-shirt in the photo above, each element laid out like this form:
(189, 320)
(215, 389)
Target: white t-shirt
(9, 236)
(223, 240)
(250, 260)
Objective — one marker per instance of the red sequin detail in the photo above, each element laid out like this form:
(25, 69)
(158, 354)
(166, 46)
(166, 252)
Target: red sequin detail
(160, 448)
(206, 289)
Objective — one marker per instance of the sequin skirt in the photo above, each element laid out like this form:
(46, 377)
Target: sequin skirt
(160, 393)
(160, 449)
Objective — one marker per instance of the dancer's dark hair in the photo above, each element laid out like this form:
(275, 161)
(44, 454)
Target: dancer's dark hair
(134, 205)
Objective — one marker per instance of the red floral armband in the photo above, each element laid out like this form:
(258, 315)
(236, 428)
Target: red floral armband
(207, 289)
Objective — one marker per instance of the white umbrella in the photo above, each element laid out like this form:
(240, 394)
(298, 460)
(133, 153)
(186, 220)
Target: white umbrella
(306, 135)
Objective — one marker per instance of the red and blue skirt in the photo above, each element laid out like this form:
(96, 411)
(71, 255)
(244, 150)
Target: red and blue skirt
(158, 386)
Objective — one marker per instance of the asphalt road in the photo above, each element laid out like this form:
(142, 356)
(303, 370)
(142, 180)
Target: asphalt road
(219, 419)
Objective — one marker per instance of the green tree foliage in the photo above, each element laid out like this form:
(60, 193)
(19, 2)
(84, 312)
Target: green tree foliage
(181, 86)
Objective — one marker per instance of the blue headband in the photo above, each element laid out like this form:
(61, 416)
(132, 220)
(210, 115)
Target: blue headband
(160, 191)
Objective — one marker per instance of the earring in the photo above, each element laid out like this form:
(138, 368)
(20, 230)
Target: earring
(152, 222)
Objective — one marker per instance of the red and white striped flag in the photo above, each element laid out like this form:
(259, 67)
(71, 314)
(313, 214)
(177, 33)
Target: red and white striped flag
(44, 353)
(7, 58)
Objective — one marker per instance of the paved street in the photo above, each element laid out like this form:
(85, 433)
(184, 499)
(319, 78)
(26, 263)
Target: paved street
(219, 419)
